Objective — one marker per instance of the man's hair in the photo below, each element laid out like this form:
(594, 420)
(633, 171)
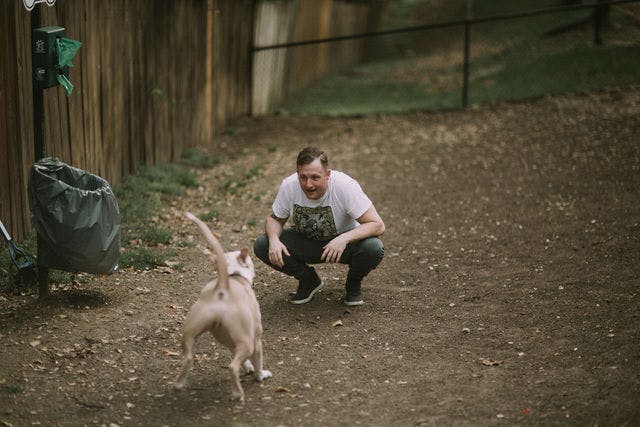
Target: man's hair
(309, 154)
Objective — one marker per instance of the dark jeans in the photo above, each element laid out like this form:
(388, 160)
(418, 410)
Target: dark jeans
(361, 256)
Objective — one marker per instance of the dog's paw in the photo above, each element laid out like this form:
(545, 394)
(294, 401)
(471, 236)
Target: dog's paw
(263, 375)
(179, 385)
(248, 367)
(237, 397)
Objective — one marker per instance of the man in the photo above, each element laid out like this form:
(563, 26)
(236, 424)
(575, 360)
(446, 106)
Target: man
(333, 221)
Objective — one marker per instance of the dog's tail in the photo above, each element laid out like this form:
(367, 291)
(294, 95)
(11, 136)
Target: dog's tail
(214, 244)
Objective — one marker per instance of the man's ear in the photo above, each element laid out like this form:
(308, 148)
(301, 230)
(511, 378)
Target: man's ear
(328, 172)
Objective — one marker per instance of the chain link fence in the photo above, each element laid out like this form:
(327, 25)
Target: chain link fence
(478, 52)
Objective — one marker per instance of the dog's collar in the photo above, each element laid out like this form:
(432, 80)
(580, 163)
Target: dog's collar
(243, 274)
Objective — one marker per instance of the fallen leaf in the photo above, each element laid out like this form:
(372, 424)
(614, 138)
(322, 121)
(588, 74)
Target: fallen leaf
(491, 362)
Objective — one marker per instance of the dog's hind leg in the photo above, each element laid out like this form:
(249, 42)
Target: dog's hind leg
(241, 354)
(256, 359)
(187, 360)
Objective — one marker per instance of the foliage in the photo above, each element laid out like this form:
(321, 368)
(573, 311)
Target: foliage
(140, 198)
(232, 184)
(141, 258)
(197, 159)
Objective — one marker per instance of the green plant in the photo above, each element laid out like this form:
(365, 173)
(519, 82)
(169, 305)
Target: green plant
(140, 197)
(254, 172)
(11, 389)
(194, 158)
(141, 258)
(210, 216)
(231, 186)
(153, 235)
(168, 178)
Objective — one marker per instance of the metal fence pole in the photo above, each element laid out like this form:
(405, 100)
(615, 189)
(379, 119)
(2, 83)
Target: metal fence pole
(38, 146)
(467, 50)
(598, 15)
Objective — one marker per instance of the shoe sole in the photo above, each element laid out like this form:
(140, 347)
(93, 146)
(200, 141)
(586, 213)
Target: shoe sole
(353, 303)
(307, 299)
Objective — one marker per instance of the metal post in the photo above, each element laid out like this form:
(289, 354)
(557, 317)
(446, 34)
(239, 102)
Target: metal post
(598, 15)
(38, 146)
(467, 50)
(251, 53)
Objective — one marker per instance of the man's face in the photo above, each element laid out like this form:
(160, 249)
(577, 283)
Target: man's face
(313, 179)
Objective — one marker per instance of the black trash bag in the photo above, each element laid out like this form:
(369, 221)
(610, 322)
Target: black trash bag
(76, 216)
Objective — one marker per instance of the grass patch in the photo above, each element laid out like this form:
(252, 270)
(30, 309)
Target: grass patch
(232, 185)
(142, 258)
(212, 215)
(11, 389)
(592, 68)
(197, 159)
(154, 236)
(140, 198)
(346, 96)
(165, 179)
(518, 58)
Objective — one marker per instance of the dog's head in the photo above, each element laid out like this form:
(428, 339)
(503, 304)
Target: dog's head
(239, 262)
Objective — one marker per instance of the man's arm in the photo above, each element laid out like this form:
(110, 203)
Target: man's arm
(370, 225)
(273, 228)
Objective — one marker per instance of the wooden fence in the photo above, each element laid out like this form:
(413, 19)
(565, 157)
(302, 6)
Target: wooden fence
(151, 78)
(142, 90)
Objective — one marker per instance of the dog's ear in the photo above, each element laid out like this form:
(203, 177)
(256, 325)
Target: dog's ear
(243, 257)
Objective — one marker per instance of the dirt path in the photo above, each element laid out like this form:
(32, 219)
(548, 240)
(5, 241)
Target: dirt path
(508, 295)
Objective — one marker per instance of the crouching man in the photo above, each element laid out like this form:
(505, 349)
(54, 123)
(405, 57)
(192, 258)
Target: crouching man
(333, 221)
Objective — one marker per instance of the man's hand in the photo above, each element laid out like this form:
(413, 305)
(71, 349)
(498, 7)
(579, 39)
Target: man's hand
(334, 249)
(276, 249)
(370, 225)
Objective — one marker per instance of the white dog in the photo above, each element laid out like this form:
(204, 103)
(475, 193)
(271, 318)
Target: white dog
(227, 308)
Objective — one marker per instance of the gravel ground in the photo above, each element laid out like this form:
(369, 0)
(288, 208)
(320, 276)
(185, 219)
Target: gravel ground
(508, 295)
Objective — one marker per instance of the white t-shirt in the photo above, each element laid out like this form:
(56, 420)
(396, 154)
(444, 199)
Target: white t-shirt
(323, 219)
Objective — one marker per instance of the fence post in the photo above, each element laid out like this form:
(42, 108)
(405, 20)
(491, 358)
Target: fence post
(467, 49)
(251, 54)
(599, 15)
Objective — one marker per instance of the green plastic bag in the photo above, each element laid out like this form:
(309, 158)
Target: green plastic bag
(65, 83)
(67, 49)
